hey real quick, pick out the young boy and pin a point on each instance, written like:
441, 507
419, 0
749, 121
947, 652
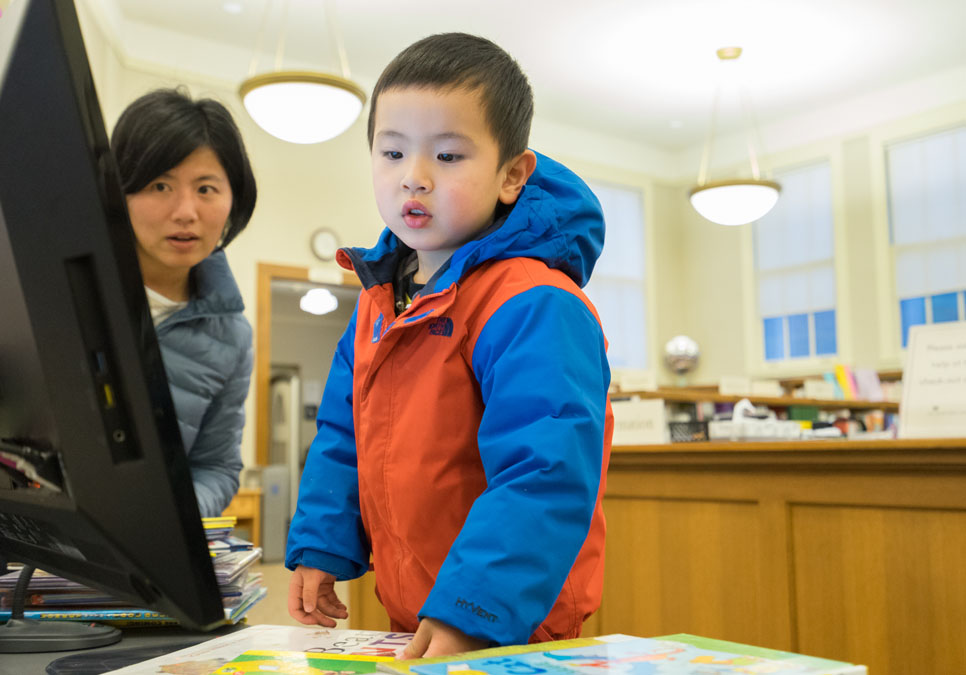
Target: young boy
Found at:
464, 433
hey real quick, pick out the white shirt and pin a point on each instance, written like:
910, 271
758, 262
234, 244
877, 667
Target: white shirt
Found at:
162, 307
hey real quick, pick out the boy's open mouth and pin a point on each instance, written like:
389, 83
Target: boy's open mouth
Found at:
415, 214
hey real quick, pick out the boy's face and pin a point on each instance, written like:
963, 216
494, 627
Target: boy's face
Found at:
435, 169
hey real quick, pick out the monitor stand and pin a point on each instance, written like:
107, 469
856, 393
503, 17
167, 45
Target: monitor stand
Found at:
20, 635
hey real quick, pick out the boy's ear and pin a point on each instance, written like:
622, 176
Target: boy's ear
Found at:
517, 170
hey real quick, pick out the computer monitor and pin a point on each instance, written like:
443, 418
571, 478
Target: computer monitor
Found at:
94, 482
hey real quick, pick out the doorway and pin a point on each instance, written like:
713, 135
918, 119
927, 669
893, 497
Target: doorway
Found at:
292, 356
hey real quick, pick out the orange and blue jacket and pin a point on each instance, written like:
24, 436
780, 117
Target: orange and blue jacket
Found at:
463, 444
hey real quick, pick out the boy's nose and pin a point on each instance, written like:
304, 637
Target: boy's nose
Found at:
416, 178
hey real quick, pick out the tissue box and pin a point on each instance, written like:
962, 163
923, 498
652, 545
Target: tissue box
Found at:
751, 429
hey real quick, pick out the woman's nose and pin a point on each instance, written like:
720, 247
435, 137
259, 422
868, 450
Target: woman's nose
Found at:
185, 206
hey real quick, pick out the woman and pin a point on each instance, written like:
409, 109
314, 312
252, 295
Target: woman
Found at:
190, 191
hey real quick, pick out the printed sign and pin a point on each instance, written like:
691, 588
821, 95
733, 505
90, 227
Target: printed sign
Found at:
934, 382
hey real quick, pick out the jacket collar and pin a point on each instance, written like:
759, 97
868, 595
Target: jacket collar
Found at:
213, 290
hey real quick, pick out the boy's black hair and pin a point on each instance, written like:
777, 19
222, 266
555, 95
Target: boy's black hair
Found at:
160, 129
462, 61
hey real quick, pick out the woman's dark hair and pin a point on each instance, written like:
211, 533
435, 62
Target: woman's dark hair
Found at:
159, 130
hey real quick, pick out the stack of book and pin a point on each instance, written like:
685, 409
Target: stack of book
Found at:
53, 598
234, 559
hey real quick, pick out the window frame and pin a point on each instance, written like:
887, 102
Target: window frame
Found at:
893, 342
757, 366
642, 189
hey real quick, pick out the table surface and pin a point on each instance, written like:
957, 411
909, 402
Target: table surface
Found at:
158, 636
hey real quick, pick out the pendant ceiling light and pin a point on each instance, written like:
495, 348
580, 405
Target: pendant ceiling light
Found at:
733, 201
301, 106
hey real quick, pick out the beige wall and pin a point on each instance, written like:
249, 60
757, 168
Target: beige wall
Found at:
701, 278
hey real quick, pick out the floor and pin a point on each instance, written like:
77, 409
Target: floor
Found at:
273, 608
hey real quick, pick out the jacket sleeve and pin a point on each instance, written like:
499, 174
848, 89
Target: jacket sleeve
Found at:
215, 458
543, 374
326, 531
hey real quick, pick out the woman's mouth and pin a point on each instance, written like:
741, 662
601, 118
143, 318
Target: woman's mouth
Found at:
183, 241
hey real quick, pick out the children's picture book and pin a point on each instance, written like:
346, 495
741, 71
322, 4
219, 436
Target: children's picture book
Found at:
208, 656
625, 655
300, 663
406, 667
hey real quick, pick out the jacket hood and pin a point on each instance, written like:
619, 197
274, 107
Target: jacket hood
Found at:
556, 219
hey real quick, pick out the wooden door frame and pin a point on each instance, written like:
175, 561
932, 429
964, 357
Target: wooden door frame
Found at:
268, 272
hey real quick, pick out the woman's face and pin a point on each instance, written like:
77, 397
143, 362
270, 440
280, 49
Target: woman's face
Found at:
179, 217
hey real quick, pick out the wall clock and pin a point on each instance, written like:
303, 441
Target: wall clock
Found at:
324, 244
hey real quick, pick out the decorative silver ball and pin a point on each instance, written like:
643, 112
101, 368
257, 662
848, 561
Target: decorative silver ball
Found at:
681, 354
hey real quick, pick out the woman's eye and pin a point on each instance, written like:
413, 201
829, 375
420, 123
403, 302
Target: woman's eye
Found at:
158, 187
206, 190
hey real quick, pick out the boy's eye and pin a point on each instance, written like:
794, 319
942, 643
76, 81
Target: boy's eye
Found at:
446, 157
393, 154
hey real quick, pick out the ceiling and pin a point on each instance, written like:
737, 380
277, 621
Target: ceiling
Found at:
638, 69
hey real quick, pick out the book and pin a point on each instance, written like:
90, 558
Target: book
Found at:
217, 527
405, 667
53, 598
679, 654
299, 663
846, 380
130, 616
216, 652
831, 379
868, 386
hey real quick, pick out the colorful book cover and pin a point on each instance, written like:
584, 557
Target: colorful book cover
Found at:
406, 667
299, 663
212, 654
625, 655
818, 665
130, 616
843, 375
830, 377
218, 522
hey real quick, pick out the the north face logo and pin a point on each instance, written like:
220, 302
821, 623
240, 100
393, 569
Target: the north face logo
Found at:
441, 326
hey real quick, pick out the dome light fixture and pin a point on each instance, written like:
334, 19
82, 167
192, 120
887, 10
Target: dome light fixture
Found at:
318, 301
733, 201
302, 106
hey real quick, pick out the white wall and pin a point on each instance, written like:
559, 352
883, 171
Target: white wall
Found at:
700, 276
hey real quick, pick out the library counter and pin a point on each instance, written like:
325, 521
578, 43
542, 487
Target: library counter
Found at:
851, 550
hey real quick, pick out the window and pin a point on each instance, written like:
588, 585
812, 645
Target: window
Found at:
795, 265
617, 287
927, 218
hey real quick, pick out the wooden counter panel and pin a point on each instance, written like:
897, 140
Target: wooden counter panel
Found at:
676, 565
883, 586
861, 551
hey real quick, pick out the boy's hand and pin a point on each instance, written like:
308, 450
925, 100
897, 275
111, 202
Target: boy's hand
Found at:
312, 598
435, 638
